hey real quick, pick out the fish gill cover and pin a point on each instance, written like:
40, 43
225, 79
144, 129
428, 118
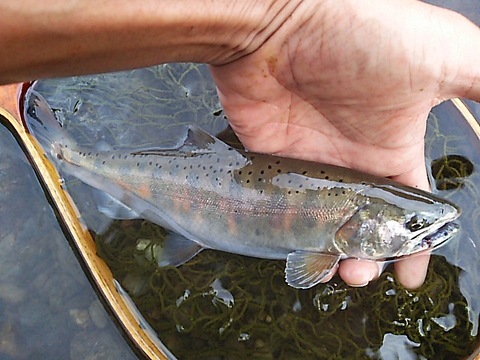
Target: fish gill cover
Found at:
222, 306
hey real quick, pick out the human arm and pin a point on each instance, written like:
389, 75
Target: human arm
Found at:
337, 81
69, 37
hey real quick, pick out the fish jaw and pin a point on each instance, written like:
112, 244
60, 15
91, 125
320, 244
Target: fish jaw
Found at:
381, 230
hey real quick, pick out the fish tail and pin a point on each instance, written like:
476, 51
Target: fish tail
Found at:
43, 124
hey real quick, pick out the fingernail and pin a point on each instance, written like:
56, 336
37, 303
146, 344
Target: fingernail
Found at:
359, 285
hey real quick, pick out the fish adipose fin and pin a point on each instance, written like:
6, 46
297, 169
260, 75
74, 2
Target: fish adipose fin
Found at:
306, 269
176, 250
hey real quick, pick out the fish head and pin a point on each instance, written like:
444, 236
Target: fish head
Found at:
381, 230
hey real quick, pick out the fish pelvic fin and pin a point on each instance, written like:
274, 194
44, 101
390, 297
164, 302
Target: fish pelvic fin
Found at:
306, 269
176, 250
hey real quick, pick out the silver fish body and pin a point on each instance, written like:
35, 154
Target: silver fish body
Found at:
214, 196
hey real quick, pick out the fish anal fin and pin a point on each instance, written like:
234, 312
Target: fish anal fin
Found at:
113, 208
306, 269
176, 250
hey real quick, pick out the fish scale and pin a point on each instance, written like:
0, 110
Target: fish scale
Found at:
210, 195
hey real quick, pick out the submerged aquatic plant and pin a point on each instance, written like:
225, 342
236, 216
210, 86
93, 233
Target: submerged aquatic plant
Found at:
251, 312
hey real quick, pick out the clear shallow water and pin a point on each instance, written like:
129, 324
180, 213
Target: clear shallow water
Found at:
48, 308
224, 306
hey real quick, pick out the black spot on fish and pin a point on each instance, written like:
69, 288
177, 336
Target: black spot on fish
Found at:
343, 192
279, 171
239, 172
230, 164
103, 162
221, 170
277, 162
340, 180
125, 156
289, 192
326, 177
248, 181
176, 166
89, 153
150, 163
300, 186
249, 173
138, 164
262, 172
270, 167
184, 168
322, 172
304, 173
257, 232
260, 179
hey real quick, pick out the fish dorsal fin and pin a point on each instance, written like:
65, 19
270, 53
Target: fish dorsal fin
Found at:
196, 141
306, 269
176, 250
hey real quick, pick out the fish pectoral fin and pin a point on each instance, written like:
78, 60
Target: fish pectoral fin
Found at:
306, 269
113, 208
176, 250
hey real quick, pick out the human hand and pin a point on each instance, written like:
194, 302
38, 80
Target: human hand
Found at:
351, 83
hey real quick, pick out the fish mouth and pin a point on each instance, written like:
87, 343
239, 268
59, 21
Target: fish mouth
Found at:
435, 235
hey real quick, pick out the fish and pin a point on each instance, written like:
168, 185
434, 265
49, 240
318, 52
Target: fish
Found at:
209, 195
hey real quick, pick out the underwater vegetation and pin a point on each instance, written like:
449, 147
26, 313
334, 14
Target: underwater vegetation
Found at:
251, 312
222, 306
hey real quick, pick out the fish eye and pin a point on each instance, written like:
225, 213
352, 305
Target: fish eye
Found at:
416, 223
